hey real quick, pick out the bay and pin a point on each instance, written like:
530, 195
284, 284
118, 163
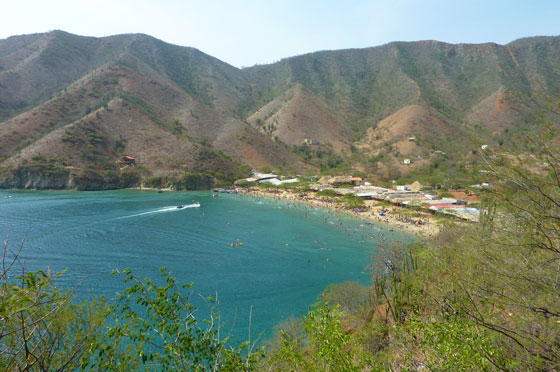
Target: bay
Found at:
290, 252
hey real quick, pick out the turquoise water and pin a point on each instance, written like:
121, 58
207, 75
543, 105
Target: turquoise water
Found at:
289, 254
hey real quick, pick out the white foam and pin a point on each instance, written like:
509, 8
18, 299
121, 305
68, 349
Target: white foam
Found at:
161, 210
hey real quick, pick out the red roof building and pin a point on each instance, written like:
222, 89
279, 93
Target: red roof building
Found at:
444, 206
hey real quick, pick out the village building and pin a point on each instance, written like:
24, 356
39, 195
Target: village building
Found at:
356, 180
416, 186
311, 141
404, 195
272, 181
263, 176
128, 160
277, 182
318, 187
336, 181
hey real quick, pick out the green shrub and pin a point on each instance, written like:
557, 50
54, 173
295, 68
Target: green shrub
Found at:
326, 193
327, 346
195, 181
351, 201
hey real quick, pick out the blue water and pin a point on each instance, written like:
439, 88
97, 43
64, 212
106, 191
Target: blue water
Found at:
289, 254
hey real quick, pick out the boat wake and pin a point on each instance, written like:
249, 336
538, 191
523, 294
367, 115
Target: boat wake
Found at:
162, 210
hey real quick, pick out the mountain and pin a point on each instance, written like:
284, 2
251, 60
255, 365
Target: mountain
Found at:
73, 106
84, 102
296, 115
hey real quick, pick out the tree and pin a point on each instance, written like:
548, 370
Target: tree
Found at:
148, 327
351, 201
41, 328
503, 275
156, 327
327, 346
522, 248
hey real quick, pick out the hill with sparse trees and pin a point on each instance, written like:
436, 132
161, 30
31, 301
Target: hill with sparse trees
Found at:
71, 107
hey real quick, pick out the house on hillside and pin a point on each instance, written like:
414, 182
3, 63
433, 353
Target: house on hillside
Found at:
128, 160
263, 176
273, 181
416, 186
324, 180
340, 180
356, 180
311, 141
406, 161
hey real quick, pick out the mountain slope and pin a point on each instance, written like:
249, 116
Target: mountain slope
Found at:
40, 65
87, 101
370, 84
127, 107
297, 115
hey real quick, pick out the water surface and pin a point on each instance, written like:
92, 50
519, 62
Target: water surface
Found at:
289, 254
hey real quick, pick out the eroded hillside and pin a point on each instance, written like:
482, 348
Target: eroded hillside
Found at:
83, 103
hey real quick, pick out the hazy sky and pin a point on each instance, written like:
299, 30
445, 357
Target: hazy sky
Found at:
248, 32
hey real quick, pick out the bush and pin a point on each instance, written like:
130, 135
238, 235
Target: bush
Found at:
149, 327
129, 178
195, 181
351, 201
351, 296
146, 315
245, 183
327, 346
265, 170
42, 329
327, 193
158, 181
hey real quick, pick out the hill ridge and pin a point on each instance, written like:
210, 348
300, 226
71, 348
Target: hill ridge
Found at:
336, 97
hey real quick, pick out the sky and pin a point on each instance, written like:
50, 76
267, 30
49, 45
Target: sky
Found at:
248, 32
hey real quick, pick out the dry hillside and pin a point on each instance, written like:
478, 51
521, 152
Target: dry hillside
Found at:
296, 115
84, 102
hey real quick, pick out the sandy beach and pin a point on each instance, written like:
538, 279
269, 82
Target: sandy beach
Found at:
395, 219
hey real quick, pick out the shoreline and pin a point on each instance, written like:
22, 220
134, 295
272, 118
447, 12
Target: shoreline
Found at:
392, 220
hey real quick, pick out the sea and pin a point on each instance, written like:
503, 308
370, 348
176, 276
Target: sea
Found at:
265, 260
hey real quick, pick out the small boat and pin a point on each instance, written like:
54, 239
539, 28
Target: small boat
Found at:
8, 196
214, 195
236, 244
180, 206
159, 191
196, 205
